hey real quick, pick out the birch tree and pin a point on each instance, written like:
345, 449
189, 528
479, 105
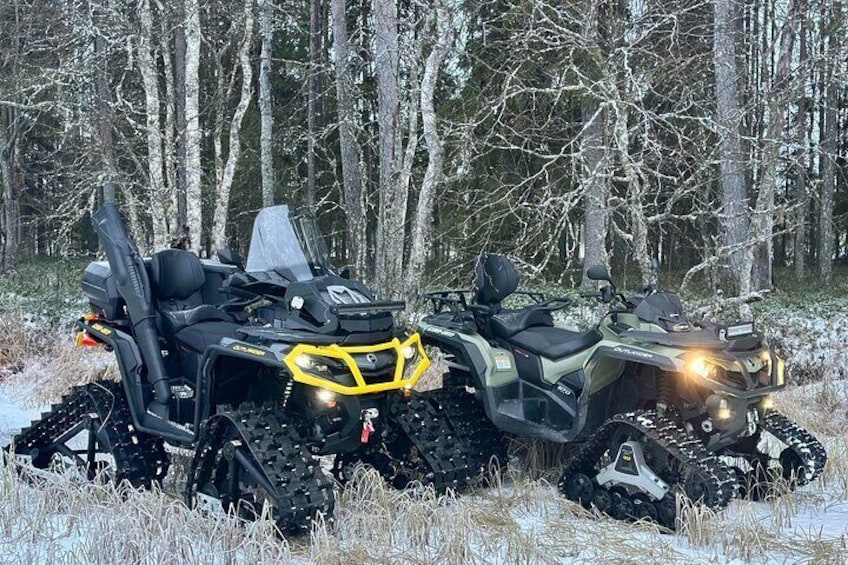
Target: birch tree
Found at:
734, 211
351, 162
434, 174
225, 176
192, 134
391, 220
830, 144
266, 109
155, 161
763, 220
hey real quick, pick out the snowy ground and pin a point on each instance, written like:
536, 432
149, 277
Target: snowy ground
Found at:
522, 521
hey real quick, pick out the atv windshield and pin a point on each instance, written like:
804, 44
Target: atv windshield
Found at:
663, 309
288, 244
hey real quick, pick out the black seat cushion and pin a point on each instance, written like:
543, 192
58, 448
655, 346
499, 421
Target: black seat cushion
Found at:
198, 337
554, 343
507, 323
176, 320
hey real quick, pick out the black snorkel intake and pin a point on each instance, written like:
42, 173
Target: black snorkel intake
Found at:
133, 284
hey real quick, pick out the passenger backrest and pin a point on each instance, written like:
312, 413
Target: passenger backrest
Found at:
495, 279
177, 278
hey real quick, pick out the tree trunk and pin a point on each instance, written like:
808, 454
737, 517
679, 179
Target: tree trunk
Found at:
193, 171
104, 120
830, 146
391, 220
11, 191
763, 223
732, 172
311, 108
434, 175
800, 243
354, 197
170, 149
266, 107
595, 187
222, 202
180, 59
150, 83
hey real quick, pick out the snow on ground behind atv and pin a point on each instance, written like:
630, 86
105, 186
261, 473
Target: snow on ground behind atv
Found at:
523, 520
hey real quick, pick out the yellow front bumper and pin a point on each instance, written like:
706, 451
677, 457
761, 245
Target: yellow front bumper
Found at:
345, 354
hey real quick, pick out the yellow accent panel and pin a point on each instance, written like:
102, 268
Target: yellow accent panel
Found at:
346, 353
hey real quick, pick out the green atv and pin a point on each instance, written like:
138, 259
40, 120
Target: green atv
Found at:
656, 406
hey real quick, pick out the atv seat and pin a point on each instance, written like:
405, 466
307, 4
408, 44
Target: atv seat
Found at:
554, 343
530, 328
177, 278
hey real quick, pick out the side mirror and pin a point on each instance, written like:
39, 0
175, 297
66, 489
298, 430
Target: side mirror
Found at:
598, 273
346, 273
230, 257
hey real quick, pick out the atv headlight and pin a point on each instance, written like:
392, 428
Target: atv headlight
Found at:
310, 364
705, 369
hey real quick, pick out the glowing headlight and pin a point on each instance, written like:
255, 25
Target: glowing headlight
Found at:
307, 363
704, 368
768, 403
409, 352
325, 396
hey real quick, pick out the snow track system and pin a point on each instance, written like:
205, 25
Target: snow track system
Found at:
419, 446
485, 445
804, 458
678, 460
253, 456
678, 464
91, 429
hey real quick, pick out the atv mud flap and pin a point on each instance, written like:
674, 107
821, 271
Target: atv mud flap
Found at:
253, 456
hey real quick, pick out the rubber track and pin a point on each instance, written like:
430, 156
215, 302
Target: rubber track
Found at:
719, 480
302, 489
445, 462
484, 443
799, 440
140, 459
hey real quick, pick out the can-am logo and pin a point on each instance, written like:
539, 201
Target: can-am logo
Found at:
634, 353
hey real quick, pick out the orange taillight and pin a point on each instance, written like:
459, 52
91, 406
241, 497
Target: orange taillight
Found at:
84, 339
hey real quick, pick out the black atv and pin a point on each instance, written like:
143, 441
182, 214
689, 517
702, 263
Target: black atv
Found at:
656, 405
253, 370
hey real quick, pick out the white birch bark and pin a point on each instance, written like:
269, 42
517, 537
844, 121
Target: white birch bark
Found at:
266, 109
354, 197
830, 145
150, 83
192, 136
732, 173
763, 223
434, 175
391, 220
169, 140
222, 192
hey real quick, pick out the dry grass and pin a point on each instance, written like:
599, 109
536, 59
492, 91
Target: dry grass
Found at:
519, 519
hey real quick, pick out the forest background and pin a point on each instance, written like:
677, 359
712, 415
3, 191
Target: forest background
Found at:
709, 135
